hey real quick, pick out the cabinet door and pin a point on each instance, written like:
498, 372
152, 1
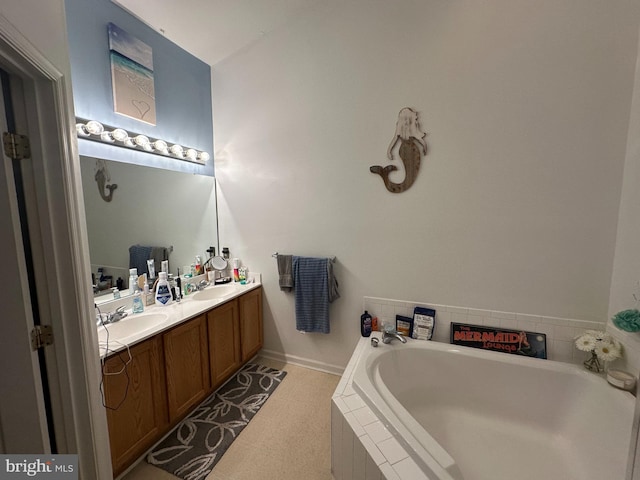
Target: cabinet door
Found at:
251, 323
187, 366
135, 401
224, 341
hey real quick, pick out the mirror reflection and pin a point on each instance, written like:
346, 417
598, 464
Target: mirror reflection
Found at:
132, 209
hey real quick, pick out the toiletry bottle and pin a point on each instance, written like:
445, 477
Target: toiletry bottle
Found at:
152, 269
133, 280
236, 273
365, 324
178, 287
138, 304
163, 293
146, 294
172, 286
198, 265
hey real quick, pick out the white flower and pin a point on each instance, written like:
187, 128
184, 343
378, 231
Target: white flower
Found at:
586, 342
607, 351
599, 335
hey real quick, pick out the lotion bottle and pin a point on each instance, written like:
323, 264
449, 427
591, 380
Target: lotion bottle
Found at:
163, 292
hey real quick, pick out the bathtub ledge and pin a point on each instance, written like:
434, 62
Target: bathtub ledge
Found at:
360, 448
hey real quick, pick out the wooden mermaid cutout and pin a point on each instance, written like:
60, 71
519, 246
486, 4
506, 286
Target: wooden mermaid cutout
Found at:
411, 136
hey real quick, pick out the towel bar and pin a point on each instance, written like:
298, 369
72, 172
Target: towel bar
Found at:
333, 258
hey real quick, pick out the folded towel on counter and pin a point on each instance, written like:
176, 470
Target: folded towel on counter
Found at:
285, 268
311, 279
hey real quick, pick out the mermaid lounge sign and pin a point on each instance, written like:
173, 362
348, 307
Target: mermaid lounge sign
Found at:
411, 138
519, 342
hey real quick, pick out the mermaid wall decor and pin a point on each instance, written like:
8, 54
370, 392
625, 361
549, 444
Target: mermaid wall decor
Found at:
105, 187
412, 141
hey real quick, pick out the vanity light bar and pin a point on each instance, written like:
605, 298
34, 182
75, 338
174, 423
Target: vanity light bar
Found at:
93, 130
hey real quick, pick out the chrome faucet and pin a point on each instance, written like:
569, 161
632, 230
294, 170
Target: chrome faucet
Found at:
112, 317
202, 284
389, 335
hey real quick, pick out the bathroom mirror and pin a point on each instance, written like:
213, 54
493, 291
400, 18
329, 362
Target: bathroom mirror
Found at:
149, 207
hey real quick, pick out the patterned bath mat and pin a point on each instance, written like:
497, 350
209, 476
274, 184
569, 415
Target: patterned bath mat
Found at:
198, 442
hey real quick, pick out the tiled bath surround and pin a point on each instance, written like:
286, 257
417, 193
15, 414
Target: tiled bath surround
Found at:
363, 448
560, 332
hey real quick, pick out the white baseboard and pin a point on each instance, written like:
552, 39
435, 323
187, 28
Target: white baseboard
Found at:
302, 362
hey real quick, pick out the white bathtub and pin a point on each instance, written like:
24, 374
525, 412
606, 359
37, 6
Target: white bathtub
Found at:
463, 413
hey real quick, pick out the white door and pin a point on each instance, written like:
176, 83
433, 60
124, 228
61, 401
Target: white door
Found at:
23, 422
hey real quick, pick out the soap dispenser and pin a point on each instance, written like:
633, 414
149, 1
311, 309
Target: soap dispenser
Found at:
163, 292
138, 304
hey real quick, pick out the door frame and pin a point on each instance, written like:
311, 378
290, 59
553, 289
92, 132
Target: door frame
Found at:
61, 253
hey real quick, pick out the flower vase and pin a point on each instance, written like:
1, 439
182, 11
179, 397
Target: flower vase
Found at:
593, 364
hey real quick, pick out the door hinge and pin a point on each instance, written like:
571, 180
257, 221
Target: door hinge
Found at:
41, 336
16, 146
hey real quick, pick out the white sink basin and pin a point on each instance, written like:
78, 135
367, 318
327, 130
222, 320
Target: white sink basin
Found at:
131, 325
218, 291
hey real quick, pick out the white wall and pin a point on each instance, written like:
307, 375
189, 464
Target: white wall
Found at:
48, 34
515, 207
625, 280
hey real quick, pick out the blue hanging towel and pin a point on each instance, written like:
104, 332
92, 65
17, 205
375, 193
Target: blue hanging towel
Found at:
311, 279
138, 256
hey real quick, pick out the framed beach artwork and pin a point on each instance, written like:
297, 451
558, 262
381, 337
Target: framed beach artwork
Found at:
131, 76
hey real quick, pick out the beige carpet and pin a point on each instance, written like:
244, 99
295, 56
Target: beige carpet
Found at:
289, 438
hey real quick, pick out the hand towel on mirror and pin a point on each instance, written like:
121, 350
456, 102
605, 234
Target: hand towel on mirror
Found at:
138, 256
310, 275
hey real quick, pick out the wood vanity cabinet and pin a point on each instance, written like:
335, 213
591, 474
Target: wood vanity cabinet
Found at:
250, 323
186, 359
224, 342
136, 402
174, 371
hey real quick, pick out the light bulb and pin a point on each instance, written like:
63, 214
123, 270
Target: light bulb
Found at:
94, 128
129, 142
119, 134
147, 147
141, 141
106, 137
81, 129
177, 150
191, 154
204, 156
161, 146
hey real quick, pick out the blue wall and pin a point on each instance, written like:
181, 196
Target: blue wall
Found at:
182, 87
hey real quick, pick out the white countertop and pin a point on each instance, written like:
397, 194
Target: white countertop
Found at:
136, 327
